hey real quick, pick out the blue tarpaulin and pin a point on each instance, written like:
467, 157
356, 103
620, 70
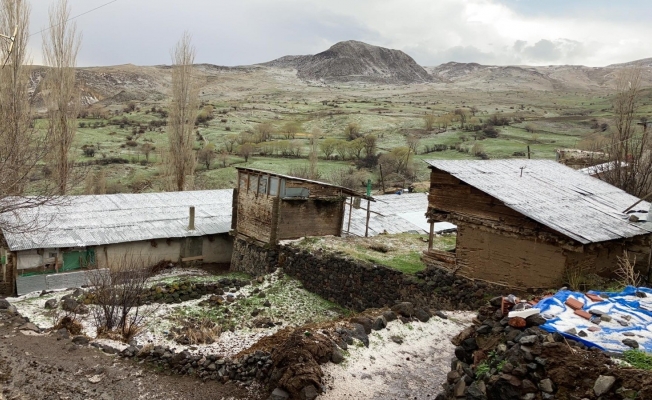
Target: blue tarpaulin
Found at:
631, 318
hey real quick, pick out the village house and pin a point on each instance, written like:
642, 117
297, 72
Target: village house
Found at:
527, 223
100, 230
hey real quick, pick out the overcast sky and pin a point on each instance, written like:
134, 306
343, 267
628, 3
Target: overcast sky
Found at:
242, 32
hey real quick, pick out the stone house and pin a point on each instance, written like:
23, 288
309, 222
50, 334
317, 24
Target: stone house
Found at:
527, 223
99, 230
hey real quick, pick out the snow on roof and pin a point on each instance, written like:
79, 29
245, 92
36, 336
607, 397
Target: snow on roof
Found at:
93, 220
393, 213
574, 204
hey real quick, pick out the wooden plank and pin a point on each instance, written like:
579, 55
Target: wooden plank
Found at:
196, 258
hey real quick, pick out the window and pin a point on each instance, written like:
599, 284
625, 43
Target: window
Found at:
253, 183
273, 186
262, 185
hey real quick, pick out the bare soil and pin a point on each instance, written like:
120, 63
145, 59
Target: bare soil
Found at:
45, 366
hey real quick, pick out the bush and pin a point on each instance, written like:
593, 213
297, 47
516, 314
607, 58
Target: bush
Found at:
131, 143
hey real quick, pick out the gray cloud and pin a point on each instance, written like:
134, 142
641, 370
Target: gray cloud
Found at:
252, 31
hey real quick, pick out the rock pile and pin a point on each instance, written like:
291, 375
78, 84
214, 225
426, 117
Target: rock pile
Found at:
503, 358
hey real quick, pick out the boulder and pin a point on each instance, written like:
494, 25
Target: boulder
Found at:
69, 304
389, 315
405, 309
337, 357
603, 384
4, 304
365, 322
379, 324
29, 327
51, 304
279, 394
81, 340
422, 315
308, 393
360, 334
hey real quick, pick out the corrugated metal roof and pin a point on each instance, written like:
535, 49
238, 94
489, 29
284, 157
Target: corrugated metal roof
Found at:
572, 203
393, 213
344, 189
119, 218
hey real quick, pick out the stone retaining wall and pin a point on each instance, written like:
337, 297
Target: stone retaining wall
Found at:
252, 259
359, 285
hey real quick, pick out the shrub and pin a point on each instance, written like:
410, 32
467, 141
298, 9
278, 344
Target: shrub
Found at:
131, 143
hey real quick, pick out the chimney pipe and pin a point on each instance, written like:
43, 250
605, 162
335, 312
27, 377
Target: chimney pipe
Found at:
191, 223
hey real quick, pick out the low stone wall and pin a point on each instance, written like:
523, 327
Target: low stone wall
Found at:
253, 259
359, 285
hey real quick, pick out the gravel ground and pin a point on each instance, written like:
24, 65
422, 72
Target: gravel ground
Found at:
414, 369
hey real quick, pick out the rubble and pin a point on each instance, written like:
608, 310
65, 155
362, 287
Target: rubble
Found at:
497, 358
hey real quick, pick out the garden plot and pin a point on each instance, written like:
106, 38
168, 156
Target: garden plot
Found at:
240, 316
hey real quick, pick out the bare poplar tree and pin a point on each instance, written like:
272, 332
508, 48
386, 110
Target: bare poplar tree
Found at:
183, 113
316, 132
60, 47
22, 147
629, 165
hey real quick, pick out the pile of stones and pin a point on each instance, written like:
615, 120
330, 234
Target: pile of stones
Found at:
503, 358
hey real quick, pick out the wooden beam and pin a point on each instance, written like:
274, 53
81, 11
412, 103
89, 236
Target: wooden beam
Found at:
192, 258
348, 228
366, 229
432, 234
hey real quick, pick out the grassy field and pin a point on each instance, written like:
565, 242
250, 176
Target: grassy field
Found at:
543, 120
400, 251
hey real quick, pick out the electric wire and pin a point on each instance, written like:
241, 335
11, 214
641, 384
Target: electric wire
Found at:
71, 18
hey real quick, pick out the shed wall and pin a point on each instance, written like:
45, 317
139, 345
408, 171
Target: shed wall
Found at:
254, 217
508, 261
299, 218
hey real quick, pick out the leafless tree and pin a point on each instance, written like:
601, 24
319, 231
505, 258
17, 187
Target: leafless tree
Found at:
314, 174
22, 148
352, 131
246, 150
147, 149
60, 47
429, 121
117, 295
629, 165
183, 113
264, 132
291, 129
207, 155
413, 143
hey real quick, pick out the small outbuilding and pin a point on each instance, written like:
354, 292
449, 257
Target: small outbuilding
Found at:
270, 207
529, 223
79, 232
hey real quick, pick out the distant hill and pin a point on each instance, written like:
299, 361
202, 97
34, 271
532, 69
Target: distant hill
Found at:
354, 61
351, 62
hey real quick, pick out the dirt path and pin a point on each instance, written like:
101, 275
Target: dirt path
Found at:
46, 367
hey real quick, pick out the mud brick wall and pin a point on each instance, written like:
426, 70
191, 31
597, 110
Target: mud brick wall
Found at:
359, 285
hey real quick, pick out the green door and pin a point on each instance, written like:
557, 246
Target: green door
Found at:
78, 259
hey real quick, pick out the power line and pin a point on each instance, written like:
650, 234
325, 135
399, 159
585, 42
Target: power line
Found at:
70, 19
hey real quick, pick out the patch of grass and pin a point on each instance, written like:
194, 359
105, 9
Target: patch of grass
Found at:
638, 359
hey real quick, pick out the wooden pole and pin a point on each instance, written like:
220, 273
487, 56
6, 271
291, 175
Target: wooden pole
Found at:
382, 178
432, 234
348, 228
528, 152
366, 230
